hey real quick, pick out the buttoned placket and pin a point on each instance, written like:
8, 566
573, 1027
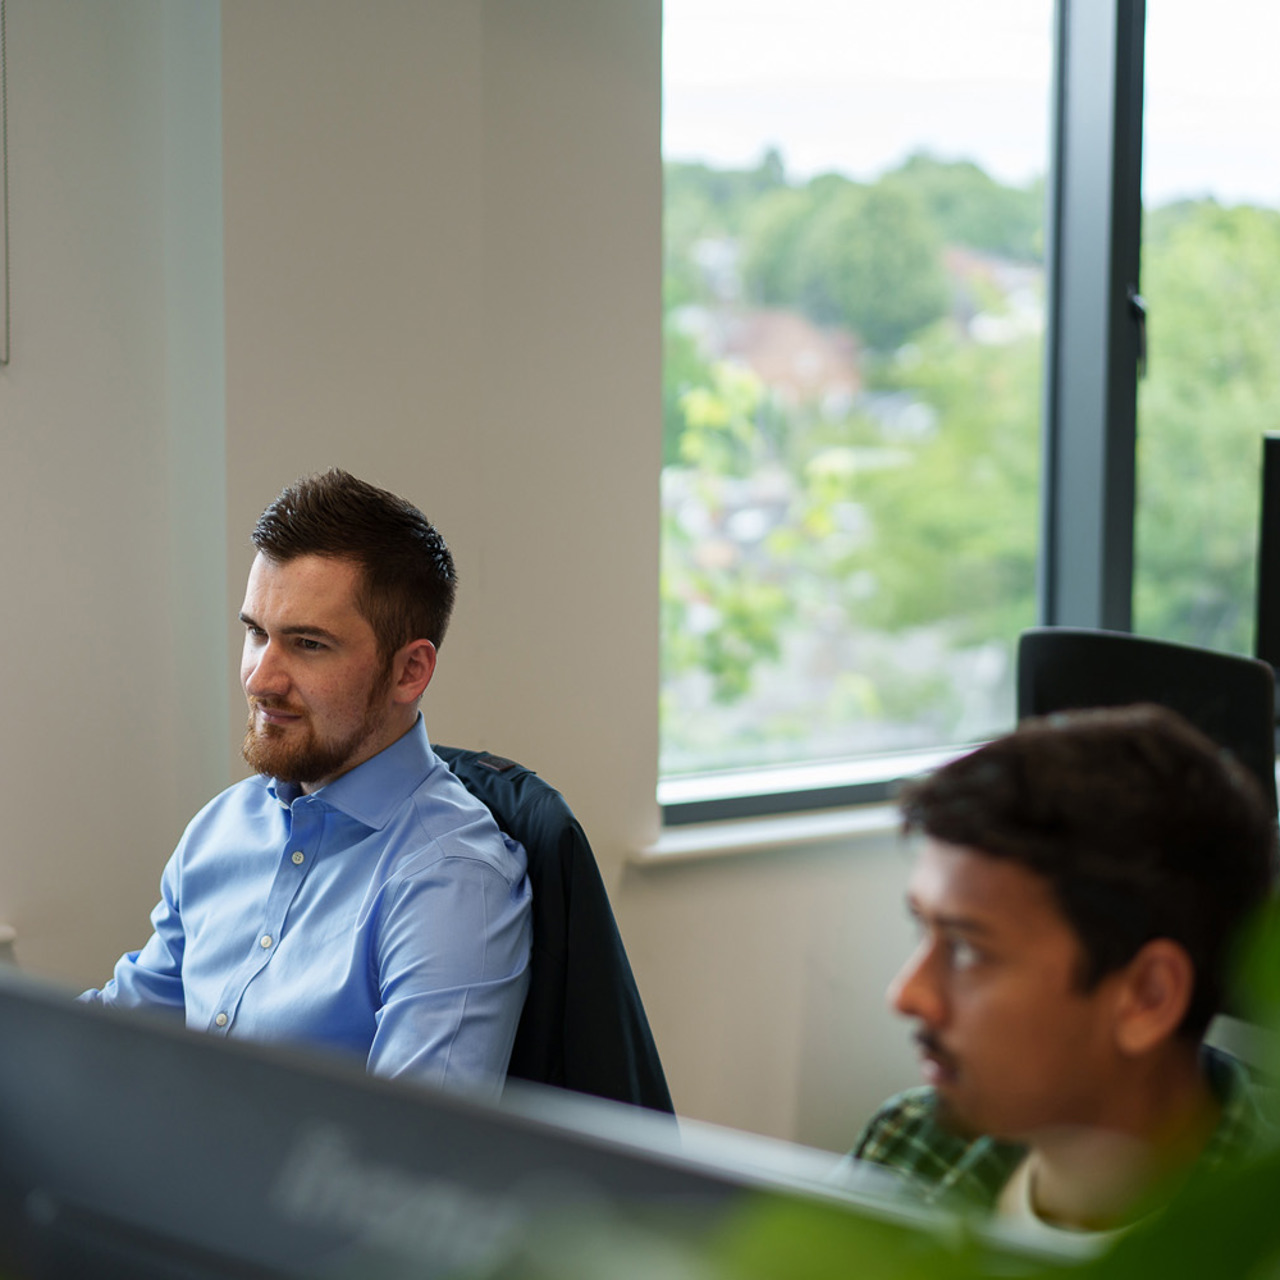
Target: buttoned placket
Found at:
304, 825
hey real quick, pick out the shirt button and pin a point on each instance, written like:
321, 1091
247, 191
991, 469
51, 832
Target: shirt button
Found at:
265, 941
298, 858
220, 1020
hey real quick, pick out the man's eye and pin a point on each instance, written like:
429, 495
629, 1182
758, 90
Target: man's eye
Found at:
962, 955
310, 645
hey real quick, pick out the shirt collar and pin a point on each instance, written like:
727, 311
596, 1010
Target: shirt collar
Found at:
1242, 1124
373, 791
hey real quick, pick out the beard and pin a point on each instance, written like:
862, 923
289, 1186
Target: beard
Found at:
298, 754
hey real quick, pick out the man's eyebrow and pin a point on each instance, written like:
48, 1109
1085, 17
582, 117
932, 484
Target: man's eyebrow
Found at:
952, 923
297, 629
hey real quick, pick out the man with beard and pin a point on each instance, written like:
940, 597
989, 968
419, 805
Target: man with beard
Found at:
1077, 890
352, 896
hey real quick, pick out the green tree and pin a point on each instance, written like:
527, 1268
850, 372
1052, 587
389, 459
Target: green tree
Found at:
969, 207
954, 523
772, 233
722, 612
1211, 276
683, 370
863, 258
880, 542
873, 252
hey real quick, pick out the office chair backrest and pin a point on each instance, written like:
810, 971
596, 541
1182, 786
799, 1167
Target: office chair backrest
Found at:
1229, 698
583, 1026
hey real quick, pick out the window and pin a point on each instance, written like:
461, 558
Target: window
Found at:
1211, 280
857, 526
854, 326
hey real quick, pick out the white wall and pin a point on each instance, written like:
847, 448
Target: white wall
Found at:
764, 976
442, 275
109, 414
441, 254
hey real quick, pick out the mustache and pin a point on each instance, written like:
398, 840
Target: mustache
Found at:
932, 1047
274, 704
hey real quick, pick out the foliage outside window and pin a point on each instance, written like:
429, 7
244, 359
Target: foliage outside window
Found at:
852, 387
1211, 277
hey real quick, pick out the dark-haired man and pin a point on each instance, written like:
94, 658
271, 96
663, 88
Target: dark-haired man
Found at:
352, 896
1077, 890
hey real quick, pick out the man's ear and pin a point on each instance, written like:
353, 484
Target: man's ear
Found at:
412, 670
1157, 986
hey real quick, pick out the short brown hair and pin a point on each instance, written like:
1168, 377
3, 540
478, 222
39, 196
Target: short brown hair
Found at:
409, 580
1142, 826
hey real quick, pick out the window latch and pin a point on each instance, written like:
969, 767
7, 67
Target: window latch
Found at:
1138, 310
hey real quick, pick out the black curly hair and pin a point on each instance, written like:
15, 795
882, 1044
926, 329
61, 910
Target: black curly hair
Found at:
1141, 825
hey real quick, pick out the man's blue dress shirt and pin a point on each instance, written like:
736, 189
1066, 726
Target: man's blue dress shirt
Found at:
384, 915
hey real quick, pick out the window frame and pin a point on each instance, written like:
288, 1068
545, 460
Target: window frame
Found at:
1093, 250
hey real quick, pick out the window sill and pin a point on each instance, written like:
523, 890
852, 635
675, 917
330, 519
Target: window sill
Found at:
771, 834
781, 791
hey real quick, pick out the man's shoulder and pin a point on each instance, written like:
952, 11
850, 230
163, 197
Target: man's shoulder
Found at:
906, 1135
412, 806
440, 819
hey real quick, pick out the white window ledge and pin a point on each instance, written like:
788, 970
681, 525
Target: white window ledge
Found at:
796, 779
799, 828
770, 834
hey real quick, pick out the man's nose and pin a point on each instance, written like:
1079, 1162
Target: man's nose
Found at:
262, 672
915, 991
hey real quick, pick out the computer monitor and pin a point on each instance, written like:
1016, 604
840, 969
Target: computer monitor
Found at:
131, 1147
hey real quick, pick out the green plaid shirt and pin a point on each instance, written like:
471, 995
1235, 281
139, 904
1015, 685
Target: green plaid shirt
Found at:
945, 1168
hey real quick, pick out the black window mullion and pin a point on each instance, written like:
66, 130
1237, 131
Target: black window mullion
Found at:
1093, 227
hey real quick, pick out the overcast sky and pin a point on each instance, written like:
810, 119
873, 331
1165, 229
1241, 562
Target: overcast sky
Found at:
855, 85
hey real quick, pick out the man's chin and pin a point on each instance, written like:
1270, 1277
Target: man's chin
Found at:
267, 752
952, 1115
273, 754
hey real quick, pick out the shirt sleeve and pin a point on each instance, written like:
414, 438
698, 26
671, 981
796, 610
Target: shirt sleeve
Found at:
452, 970
151, 978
